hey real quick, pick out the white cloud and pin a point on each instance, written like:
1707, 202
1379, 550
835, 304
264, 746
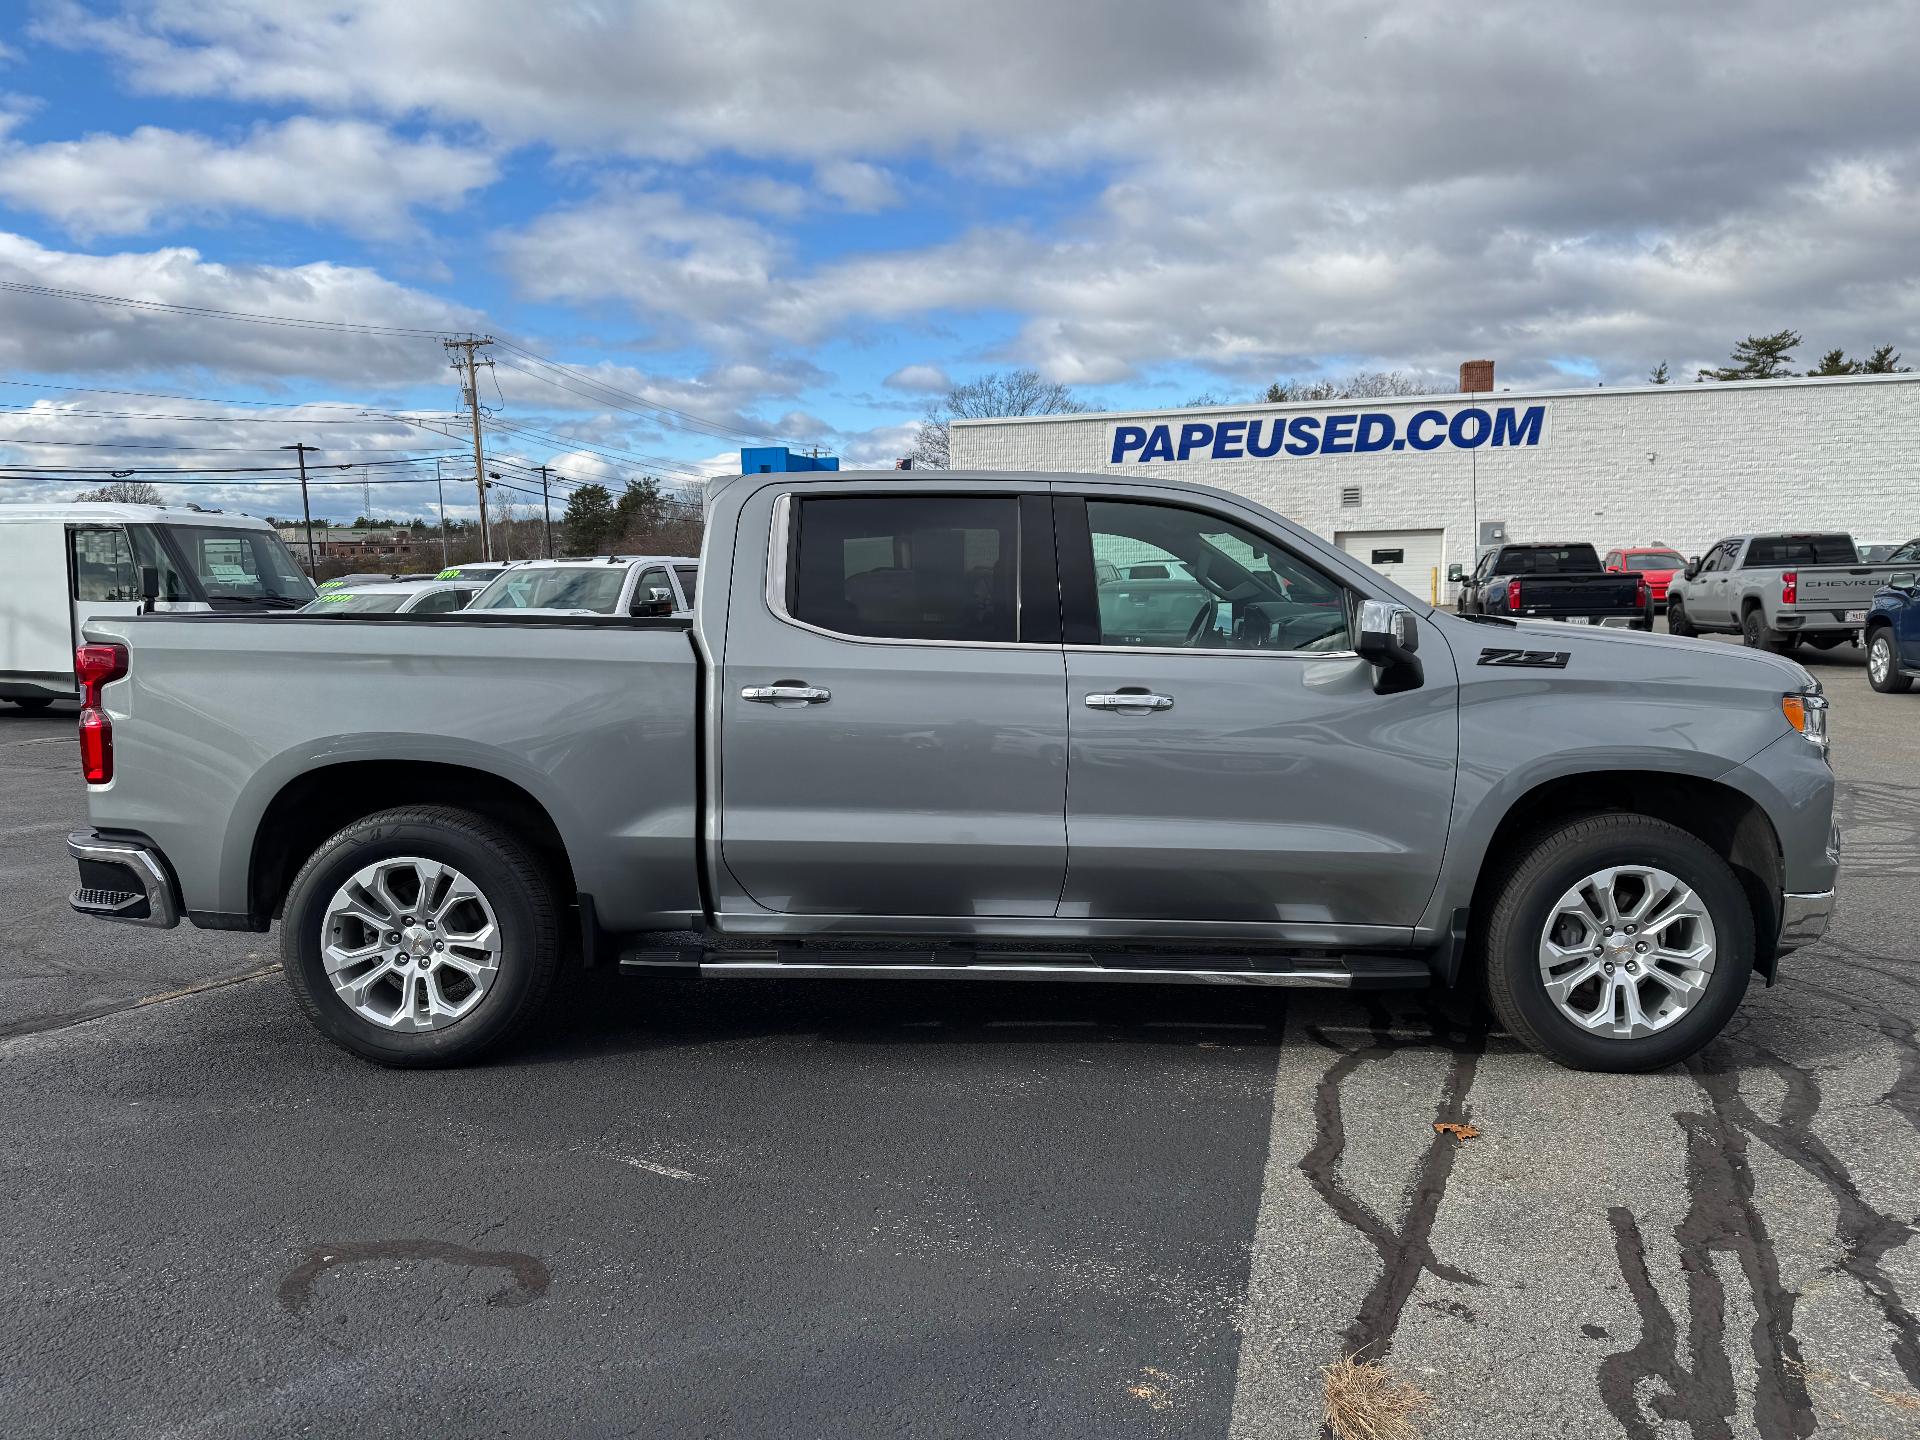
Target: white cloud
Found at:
858, 186
336, 172
920, 379
47, 335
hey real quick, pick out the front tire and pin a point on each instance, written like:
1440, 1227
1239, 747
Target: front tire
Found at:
1616, 943
421, 936
1883, 666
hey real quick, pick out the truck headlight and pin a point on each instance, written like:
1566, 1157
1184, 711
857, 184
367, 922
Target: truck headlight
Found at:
1807, 713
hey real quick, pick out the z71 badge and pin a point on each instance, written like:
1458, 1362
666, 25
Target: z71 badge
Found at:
1527, 659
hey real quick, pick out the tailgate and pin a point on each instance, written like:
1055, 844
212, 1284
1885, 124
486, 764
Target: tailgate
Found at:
1833, 587
1604, 594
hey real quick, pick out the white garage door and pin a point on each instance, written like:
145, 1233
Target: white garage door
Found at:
1409, 558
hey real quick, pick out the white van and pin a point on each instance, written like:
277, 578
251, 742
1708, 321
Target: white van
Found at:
63, 563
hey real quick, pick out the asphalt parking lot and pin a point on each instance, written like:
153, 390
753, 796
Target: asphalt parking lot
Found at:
789, 1210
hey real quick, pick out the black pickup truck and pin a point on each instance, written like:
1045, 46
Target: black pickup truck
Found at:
1554, 581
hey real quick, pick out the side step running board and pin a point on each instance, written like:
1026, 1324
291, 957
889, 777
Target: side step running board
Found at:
1334, 973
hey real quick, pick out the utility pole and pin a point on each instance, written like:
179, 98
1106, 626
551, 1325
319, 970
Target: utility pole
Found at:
546, 508
306, 511
506, 530
469, 370
440, 490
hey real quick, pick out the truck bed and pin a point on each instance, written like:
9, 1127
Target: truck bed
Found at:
595, 718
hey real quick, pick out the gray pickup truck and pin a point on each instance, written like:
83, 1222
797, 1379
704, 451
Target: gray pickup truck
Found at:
916, 730
1777, 591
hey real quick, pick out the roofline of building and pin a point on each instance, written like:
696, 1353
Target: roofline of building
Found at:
1707, 387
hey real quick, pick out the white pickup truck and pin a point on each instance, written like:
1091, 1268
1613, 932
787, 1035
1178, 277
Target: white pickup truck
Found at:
1776, 591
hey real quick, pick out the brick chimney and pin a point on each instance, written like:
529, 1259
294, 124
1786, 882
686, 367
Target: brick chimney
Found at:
1476, 376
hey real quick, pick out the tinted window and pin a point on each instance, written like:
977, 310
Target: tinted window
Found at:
1549, 560
1907, 554
103, 567
1225, 587
1388, 557
689, 576
1654, 560
1779, 551
908, 568
438, 602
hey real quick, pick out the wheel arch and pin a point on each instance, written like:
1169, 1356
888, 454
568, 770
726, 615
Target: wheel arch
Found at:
316, 803
1720, 815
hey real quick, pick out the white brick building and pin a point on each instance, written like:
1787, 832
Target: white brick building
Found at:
1678, 465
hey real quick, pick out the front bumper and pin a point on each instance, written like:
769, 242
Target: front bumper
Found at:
1804, 918
123, 879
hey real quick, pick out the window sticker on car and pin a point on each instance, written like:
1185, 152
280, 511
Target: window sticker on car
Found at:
1527, 659
452, 572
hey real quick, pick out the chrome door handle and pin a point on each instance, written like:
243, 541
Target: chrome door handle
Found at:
786, 694
1139, 700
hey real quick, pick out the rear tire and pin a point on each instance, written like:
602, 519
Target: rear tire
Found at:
1883, 668
34, 702
1757, 636
1527, 899
513, 906
1677, 622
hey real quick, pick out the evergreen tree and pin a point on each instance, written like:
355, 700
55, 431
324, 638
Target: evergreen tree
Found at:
1659, 375
637, 513
1835, 362
1884, 361
1758, 357
588, 520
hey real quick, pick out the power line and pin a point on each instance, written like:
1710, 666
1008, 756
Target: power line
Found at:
6, 440
301, 322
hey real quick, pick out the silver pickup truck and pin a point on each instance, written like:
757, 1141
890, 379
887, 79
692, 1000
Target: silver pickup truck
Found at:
1777, 591
923, 730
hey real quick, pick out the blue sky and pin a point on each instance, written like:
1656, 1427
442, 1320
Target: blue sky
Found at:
798, 220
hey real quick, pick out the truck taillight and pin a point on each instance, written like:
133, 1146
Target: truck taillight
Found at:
1642, 595
1789, 587
95, 666
96, 745
1513, 595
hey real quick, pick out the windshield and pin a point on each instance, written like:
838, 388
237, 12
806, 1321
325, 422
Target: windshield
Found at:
580, 587
1654, 560
1779, 551
352, 602
239, 566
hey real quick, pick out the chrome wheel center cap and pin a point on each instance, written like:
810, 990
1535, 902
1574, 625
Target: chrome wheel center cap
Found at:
416, 940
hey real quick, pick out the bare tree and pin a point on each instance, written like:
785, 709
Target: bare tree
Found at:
1361, 385
1002, 392
123, 492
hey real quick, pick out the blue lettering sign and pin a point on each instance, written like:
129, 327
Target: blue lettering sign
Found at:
1376, 432
1349, 432
1421, 438
1194, 436
1524, 429
1272, 445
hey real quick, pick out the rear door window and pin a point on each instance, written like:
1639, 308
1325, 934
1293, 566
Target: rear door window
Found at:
689, 577
103, 566
934, 567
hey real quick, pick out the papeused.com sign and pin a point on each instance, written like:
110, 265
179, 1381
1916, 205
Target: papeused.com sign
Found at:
1336, 432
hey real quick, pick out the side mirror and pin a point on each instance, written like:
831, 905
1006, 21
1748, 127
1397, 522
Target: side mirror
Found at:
149, 587
1389, 640
1905, 580
1693, 567
1456, 572
646, 609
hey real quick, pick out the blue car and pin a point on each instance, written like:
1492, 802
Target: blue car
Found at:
1893, 627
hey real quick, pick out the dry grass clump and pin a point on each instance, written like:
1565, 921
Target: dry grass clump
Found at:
1365, 1401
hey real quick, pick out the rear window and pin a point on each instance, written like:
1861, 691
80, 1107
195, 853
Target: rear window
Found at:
1771, 552
1550, 560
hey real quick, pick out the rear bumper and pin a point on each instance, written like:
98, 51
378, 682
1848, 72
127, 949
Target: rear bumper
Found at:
1804, 918
123, 879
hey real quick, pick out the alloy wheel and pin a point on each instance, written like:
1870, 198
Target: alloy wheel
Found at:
1627, 951
410, 944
